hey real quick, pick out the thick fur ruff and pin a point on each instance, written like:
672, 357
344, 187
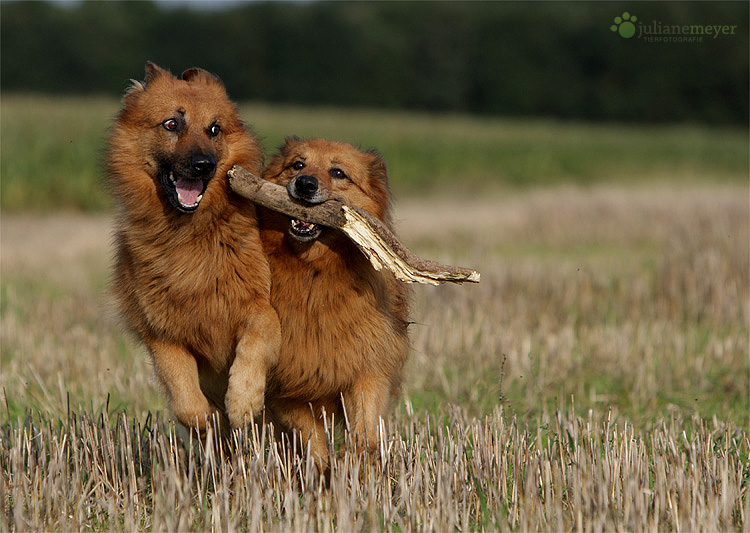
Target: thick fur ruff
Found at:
344, 324
190, 275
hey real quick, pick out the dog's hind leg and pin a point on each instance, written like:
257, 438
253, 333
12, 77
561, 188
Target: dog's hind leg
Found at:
177, 371
366, 402
257, 350
309, 423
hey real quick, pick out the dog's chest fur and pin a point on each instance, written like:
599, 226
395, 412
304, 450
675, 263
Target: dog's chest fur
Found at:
189, 287
337, 324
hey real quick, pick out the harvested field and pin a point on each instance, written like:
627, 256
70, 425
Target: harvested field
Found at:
596, 379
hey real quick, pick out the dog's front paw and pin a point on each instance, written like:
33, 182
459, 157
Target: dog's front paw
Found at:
197, 415
243, 402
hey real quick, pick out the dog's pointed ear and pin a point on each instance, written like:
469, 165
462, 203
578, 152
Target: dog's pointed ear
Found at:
154, 71
380, 191
289, 141
198, 74
277, 163
377, 166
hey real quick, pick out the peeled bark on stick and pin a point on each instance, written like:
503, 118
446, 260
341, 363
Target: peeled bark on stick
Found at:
375, 240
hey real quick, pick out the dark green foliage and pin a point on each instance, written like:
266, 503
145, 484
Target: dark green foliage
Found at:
543, 58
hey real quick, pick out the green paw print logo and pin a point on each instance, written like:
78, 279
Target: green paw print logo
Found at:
624, 25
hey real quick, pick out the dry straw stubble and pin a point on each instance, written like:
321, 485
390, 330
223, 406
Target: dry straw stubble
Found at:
633, 301
432, 473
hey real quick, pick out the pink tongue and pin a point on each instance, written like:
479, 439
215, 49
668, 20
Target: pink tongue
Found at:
189, 190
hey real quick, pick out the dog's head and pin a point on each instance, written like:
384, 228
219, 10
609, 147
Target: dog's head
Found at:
315, 170
182, 129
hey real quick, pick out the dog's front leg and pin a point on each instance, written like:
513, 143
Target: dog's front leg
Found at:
257, 350
177, 370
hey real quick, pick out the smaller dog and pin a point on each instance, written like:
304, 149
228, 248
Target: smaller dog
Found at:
343, 324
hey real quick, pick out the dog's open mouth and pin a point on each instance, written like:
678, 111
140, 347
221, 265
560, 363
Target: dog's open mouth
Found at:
185, 193
304, 231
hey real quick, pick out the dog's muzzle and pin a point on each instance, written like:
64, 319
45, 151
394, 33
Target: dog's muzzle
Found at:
185, 184
305, 189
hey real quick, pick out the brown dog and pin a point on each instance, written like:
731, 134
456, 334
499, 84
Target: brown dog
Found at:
190, 275
344, 325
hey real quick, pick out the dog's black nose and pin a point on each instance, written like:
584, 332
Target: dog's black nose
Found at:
306, 186
203, 164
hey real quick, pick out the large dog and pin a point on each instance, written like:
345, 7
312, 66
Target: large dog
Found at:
190, 275
344, 325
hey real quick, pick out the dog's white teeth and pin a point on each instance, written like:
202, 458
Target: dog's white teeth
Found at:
182, 200
171, 178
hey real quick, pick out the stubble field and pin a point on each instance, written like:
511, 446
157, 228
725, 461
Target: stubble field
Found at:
596, 379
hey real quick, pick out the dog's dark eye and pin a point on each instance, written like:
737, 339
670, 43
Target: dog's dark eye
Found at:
298, 165
337, 173
214, 130
170, 124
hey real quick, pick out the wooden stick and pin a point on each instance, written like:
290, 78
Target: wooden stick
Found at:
375, 240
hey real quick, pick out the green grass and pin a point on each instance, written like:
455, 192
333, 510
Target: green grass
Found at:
52, 148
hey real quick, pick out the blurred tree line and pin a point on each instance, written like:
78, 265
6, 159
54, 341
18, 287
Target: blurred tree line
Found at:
512, 58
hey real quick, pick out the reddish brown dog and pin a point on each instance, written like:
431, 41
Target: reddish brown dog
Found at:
190, 275
344, 324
